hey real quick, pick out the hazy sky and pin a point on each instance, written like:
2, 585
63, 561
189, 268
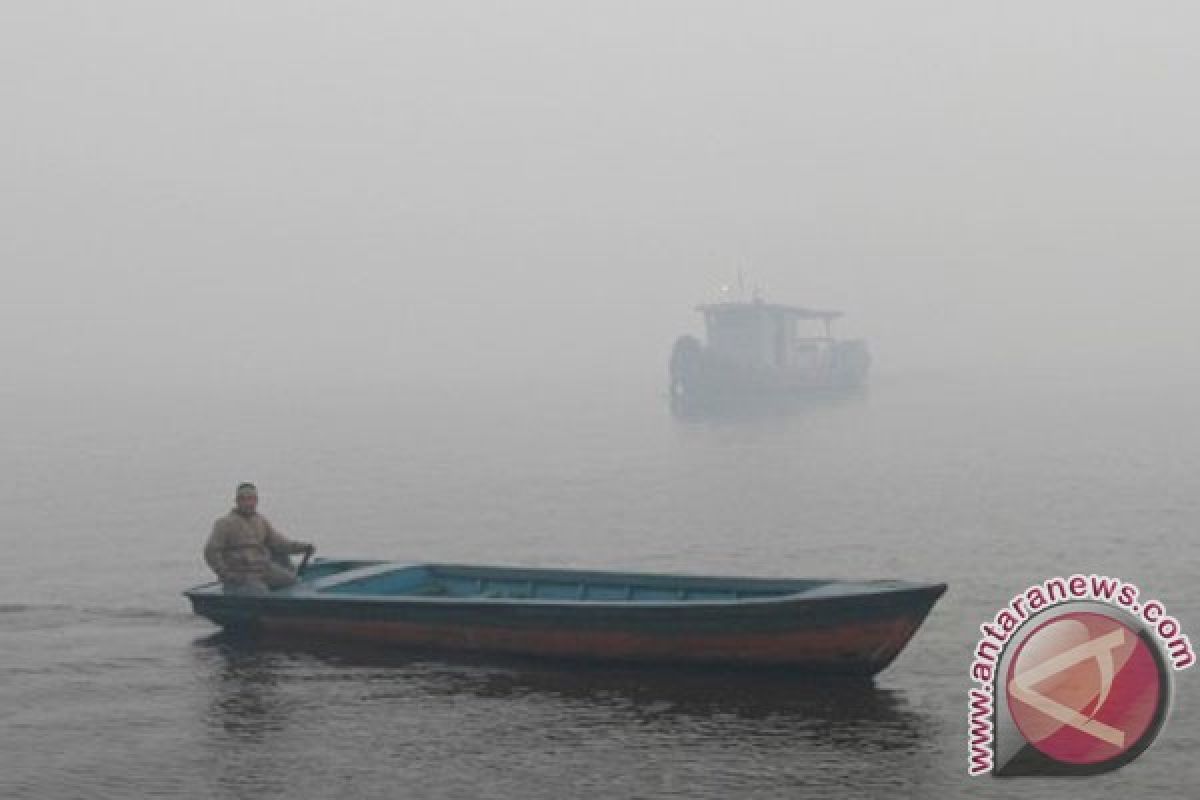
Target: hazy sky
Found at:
211, 191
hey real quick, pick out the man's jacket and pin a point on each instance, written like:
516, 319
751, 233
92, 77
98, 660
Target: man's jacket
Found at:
240, 546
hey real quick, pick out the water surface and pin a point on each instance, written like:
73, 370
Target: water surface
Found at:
109, 687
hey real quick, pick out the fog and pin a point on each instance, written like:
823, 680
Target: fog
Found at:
236, 195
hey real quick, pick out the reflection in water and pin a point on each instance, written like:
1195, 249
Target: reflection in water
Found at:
249, 708
749, 407
247, 702
840, 713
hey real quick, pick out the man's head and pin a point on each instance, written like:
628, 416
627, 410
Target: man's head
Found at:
247, 498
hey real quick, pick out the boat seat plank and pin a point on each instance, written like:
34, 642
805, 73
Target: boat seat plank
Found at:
351, 575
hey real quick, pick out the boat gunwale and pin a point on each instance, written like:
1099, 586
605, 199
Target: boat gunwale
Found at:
306, 595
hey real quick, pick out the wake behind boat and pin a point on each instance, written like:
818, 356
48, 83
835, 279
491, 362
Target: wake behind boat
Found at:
845, 627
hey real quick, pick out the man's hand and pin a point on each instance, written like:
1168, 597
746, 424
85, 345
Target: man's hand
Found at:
308, 550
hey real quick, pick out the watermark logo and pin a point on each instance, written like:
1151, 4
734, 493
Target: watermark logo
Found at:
1074, 678
1086, 689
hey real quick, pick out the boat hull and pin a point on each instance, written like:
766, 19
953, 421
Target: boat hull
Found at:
698, 374
859, 631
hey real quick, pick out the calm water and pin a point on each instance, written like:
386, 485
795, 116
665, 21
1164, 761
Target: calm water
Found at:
110, 688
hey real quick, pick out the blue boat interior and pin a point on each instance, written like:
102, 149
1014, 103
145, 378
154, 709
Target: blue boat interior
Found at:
453, 581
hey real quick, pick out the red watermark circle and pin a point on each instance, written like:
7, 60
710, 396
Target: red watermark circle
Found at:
1084, 688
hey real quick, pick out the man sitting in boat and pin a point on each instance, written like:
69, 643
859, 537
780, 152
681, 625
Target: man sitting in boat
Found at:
246, 551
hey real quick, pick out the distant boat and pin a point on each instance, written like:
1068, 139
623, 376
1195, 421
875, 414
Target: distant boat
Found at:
814, 625
753, 349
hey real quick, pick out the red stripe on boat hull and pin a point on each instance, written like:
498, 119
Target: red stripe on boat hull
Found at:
860, 647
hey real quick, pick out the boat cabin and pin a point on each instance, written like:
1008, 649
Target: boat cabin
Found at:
766, 334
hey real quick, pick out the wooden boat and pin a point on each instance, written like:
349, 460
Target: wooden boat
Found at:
830, 626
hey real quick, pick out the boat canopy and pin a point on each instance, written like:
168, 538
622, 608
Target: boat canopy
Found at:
759, 307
